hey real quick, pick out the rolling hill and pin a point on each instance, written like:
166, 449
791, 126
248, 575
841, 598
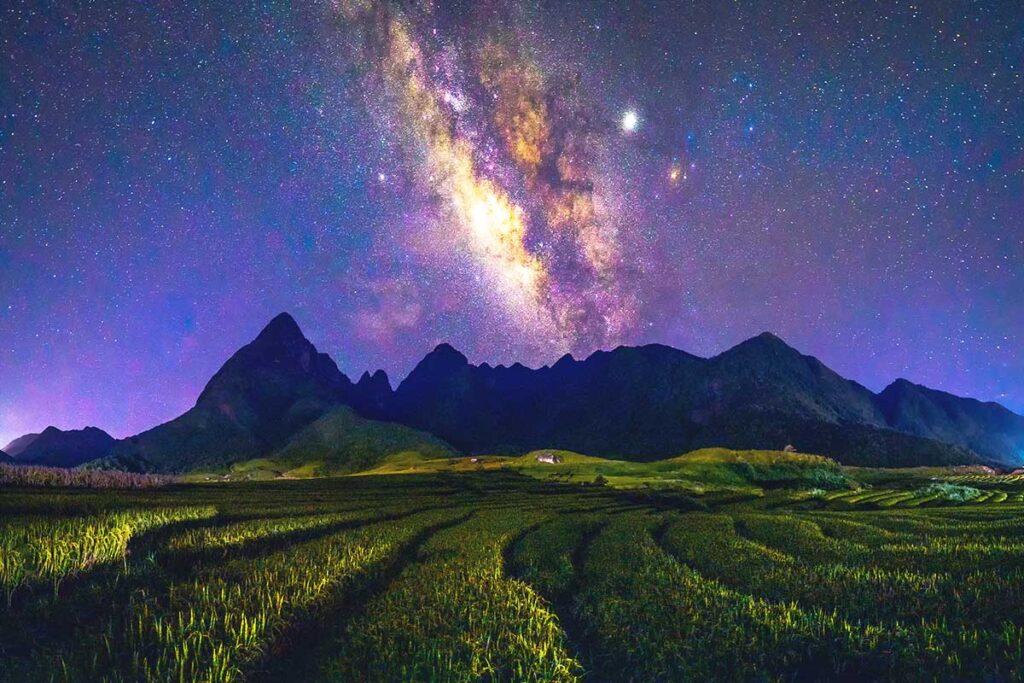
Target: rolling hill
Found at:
341, 441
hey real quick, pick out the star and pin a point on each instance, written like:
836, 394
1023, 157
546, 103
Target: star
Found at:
630, 121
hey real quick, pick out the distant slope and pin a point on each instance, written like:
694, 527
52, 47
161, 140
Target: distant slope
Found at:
15, 447
851, 444
697, 471
342, 441
5, 458
264, 393
986, 428
57, 448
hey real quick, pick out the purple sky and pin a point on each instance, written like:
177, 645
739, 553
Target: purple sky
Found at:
174, 174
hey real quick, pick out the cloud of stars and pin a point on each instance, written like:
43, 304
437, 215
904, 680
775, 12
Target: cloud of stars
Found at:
518, 178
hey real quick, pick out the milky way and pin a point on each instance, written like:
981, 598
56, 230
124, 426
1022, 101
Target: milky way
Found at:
506, 152
519, 178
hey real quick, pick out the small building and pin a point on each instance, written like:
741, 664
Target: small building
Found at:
549, 458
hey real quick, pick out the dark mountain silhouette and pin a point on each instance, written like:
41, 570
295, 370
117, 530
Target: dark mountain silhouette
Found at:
57, 448
279, 395
651, 402
15, 447
268, 390
372, 394
988, 429
5, 458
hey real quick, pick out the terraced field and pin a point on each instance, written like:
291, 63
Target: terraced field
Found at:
496, 576
935, 494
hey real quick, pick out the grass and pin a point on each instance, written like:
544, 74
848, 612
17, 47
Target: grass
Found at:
59, 477
453, 616
49, 550
712, 470
497, 571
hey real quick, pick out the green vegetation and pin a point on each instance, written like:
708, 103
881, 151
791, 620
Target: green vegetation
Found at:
339, 442
453, 615
700, 472
715, 565
59, 477
41, 550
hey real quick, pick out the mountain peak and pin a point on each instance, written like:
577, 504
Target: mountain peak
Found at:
770, 338
279, 360
764, 343
63, 448
446, 348
20, 444
379, 379
565, 361
446, 354
282, 328
901, 383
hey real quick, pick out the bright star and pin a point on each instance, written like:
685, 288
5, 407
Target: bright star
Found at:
630, 121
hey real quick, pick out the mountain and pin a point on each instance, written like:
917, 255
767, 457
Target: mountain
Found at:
372, 395
267, 391
21, 443
4, 458
651, 402
280, 400
57, 448
765, 375
629, 396
988, 429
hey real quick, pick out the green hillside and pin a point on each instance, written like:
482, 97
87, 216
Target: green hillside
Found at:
704, 470
339, 442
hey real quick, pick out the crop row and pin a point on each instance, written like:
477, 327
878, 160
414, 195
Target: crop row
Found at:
721, 606
453, 615
219, 625
860, 590
48, 549
928, 496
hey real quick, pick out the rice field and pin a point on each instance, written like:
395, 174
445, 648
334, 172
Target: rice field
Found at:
958, 489
495, 576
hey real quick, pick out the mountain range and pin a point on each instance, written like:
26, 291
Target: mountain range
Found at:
281, 402
58, 448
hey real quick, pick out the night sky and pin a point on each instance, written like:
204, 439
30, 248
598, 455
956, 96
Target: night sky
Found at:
519, 179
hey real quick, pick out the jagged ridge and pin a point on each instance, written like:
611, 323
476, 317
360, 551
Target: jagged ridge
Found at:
640, 403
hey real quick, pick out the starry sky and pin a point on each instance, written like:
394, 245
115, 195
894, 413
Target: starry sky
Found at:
520, 179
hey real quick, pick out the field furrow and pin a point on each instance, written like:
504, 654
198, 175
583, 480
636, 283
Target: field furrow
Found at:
454, 616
